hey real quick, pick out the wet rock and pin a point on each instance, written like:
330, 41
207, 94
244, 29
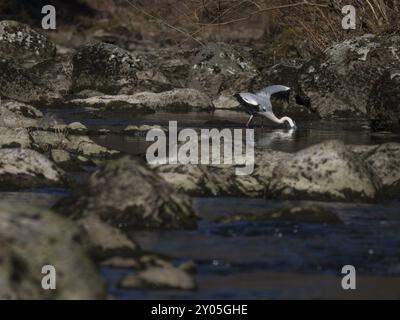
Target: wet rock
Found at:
302, 213
74, 144
77, 128
385, 163
221, 68
14, 138
383, 107
105, 241
181, 100
86, 147
221, 180
23, 109
167, 277
25, 168
203, 180
142, 130
107, 68
22, 44
121, 263
31, 238
327, 171
11, 119
126, 193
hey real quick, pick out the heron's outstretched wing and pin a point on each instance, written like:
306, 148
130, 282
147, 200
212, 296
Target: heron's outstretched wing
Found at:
251, 102
269, 91
276, 91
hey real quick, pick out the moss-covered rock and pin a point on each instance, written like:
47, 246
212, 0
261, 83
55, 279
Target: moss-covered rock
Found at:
20, 43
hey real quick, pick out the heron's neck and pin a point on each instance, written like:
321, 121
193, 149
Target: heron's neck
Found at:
290, 121
281, 120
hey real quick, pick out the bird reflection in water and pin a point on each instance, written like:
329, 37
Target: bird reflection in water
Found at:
276, 138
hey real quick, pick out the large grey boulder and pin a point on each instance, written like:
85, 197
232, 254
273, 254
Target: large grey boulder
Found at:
110, 69
31, 238
329, 171
326, 171
25, 168
28, 68
104, 67
126, 193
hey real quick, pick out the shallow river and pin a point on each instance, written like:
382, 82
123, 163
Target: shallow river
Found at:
264, 259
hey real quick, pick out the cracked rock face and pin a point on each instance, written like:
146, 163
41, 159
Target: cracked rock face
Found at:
21, 43
126, 193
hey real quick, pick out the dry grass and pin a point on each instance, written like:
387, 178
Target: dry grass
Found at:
256, 21
317, 21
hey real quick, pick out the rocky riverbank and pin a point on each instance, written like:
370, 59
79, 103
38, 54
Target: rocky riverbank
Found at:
91, 226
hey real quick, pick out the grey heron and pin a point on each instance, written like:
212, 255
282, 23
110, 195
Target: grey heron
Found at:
259, 103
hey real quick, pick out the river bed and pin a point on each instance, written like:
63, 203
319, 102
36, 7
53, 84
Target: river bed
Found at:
261, 259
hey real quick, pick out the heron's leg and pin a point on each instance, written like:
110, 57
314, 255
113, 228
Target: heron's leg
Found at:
248, 122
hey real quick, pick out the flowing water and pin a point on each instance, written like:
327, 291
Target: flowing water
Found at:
262, 259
